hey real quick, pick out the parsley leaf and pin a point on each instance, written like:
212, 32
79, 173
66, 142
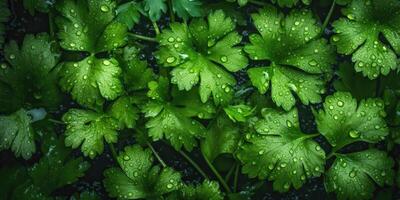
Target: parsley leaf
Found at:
138, 178
155, 8
4, 14
88, 26
359, 35
343, 122
31, 78
170, 121
352, 176
280, 152
299, 56
208, 190
128, 14
125, 112
187, 8
238, 112
222, 136
290, 3
88, 128
199, 52
17, 134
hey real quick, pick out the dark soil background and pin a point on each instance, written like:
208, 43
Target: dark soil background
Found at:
21, 23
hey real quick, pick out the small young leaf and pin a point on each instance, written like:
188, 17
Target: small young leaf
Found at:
155, 8
187, 8
128, 14
125, 112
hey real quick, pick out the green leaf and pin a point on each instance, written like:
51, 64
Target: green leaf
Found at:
359, 35
155, 8
136, 73
89, 129
350, 81
138, 178
17, 134
238, 112
128, 14
343, 122
89, 26
222, 136
280, 152
92, 80
190, 105
4, 14
300, 57
187, 8
290, 3
13, 176
30, 79
168, 122
57, 168
352, 176
208, 190
199, 53
125, 112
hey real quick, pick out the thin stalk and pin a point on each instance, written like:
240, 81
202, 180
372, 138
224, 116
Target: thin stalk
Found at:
194, 164
328, 17
219, 177
236, 178
229, 174
156, 29
333, 153
51, 24
156, 155
171, 11
142, 37
113, 152
259, 3
56, 121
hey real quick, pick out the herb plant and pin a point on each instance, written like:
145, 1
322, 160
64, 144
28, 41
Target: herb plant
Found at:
190, 99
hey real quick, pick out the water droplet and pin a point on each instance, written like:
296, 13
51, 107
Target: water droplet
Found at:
106, 62
171, 39
270, 166
224, 59
340, 103
3, 66
335, 38
171, 59
313, 62
169, 186
261, 152
126, 158
104, 8
12, 56
354, 134
352, 174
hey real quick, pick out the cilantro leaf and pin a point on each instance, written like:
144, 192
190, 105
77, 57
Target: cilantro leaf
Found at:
222, 136
208, 190
4, 14
343, 122
136, 73
88, 128
138, 178
359, 35
125, 112
169, 120
155, 8
89, 26
352, 176
199, 52
128, 14
299, 56
30, 79
92, 80
290, 3
17, 134
280, 152
57, 168
238, 112
187, 8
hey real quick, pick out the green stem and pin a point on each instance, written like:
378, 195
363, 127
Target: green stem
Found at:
141, 37
113, 152
194, 164
156, 29
171, 12
156, 155
236, 178
216, 173
328, 17
51, 24
333, 153
56, 121
229, 174
259, 3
